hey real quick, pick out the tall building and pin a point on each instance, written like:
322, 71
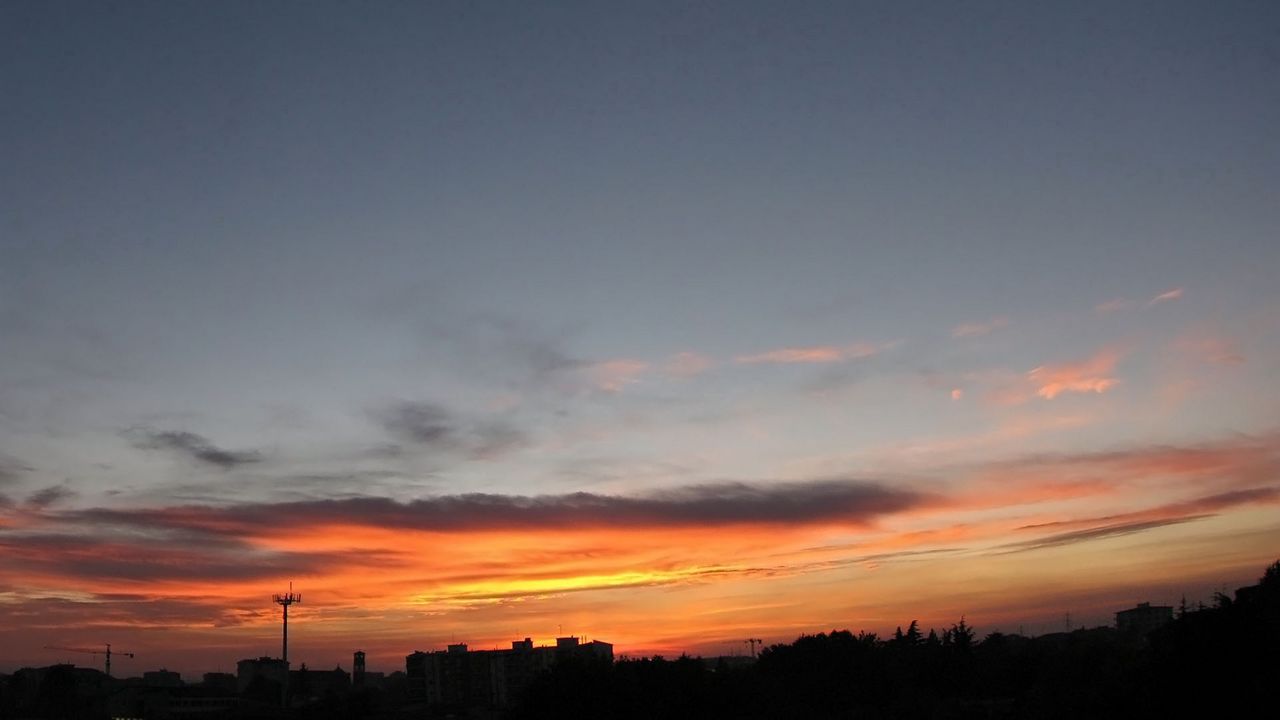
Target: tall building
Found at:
459, 677
1143, 619
357, 669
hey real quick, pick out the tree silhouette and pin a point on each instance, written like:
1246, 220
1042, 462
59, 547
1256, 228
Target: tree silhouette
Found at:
913, 636
1216, 662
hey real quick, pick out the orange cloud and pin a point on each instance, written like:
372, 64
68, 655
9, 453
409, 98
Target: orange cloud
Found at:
666, 570
795, 355
816, 354
979, 329
1092, 375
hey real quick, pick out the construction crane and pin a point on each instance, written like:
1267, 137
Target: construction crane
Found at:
753, 642
108, 653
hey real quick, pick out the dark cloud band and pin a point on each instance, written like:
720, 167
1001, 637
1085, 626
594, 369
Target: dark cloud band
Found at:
724, 504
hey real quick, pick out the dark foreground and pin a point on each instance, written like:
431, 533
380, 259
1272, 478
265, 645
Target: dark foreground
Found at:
1221, 661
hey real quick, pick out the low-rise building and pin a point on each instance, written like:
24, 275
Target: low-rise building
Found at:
219, 681
1143, 619
162, 678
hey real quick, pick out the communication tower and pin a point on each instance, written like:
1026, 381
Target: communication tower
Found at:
285, 601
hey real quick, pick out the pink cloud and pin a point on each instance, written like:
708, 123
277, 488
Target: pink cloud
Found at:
816, 354
1092, 375
1166, 296
957, 394
979, 329
688, 364
614, 375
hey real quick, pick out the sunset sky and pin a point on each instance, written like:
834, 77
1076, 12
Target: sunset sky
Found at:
667, 324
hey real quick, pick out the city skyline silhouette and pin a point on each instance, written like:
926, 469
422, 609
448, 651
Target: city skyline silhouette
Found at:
1149, 664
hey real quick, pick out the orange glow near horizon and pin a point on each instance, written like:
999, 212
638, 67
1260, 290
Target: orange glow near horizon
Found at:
1014, 538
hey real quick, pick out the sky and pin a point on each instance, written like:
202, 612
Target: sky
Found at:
664, 324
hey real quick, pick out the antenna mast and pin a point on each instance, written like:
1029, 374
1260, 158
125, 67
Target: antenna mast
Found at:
285, 601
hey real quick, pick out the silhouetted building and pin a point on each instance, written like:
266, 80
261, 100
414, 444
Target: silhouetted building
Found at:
259, 671
307, 685
220, 681
162, 678
490, 678
63, 682
1143, 619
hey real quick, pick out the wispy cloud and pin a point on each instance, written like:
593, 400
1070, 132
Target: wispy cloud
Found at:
615, 375
418, 422
1114, 305
433, 427
1118, 304
1231, 470
1166, 296
688, 364
1197, 507
193, 446
49, 496
506, 352
965, 330
11, 469
1092, 375
813, 354
1209, 349
1098, 533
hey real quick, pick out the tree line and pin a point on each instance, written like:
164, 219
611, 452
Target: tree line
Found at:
1216, 661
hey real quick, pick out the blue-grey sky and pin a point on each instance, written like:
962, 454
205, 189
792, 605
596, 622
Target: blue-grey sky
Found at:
263, 252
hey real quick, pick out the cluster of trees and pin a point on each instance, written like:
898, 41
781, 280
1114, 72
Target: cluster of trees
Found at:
1212, 662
